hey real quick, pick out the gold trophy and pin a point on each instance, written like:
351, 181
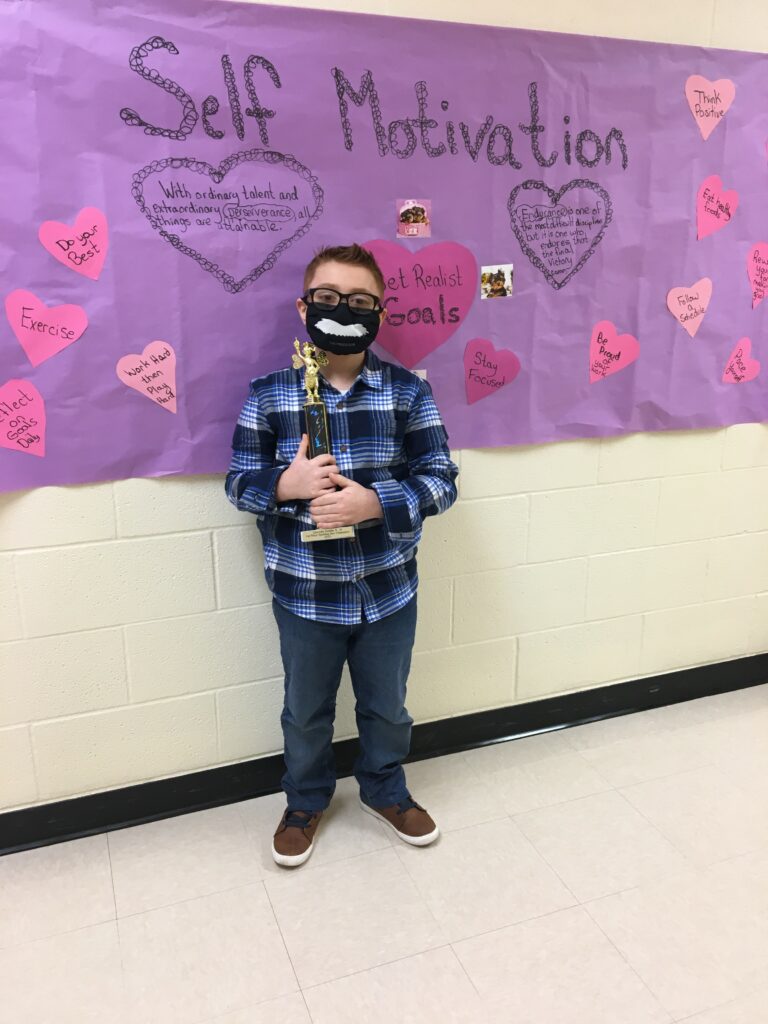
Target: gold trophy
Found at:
316, 417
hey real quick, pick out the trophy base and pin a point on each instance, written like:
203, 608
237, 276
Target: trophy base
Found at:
335, 533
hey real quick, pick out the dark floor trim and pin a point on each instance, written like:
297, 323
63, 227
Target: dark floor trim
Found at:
131, 805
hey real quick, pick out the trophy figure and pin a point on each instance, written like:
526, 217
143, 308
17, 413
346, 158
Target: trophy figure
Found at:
316, 418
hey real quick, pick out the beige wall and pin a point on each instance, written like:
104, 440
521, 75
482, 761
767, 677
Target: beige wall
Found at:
136, 638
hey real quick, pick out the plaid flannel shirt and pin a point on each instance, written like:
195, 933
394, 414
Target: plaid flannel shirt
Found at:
386, 433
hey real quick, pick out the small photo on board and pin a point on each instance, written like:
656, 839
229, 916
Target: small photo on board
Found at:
496, 281
414, 218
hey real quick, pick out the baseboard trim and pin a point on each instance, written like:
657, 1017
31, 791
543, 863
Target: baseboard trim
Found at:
95, 813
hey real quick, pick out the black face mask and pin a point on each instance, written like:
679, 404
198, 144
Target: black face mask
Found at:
341, 330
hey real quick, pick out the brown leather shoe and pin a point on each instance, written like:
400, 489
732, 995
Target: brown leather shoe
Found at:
409, 820
292, 841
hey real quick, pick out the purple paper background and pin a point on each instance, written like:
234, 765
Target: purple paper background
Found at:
64, 77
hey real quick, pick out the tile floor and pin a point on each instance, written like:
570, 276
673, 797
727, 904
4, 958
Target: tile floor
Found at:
613, 873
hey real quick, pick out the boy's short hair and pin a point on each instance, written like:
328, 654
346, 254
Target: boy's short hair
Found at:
354, 255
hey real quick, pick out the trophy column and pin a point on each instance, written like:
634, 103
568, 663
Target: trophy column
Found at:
316, 418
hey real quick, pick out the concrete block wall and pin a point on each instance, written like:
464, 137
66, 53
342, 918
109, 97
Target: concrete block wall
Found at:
136, 638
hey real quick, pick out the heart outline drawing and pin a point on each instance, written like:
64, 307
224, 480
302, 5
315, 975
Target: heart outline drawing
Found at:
217, 174
555, 198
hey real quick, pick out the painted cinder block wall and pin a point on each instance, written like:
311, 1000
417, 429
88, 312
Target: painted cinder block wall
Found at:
136, 635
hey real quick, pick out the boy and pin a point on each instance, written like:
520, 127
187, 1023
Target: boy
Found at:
343, 600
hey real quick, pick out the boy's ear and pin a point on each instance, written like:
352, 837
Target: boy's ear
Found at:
302, 308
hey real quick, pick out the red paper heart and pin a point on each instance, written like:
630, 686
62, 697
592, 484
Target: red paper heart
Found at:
709, 101
83, 246
428, 295
689, 304
741, 367
610, 351
43, 330
487, 369
153, 373
22, 418
715, 206
757, 271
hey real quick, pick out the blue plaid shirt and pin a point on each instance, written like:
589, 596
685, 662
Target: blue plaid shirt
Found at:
386, 433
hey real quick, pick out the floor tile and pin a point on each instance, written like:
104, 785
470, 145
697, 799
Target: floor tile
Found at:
453, 792
64, 979
483, 877
656, 823
543, 783
351, 915
204, 957
431, 986
284, 1010
694, 938
180, 858
55, 889
747, 1009
557, 969
705, 814
600, 844
652, 755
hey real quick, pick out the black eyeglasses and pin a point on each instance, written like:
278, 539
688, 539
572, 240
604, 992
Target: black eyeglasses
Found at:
329, 298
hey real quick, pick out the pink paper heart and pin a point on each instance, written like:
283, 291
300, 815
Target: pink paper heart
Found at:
428, 295
153, 373
714, 206
43, 330
757, 271
741, 367
610, 351
709, 101
22, 417
688, 305
486, 369
82, 246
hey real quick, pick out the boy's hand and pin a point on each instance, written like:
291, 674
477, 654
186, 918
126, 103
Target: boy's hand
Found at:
306, 478
350, 505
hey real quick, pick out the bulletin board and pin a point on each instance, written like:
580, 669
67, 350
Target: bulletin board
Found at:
573, 230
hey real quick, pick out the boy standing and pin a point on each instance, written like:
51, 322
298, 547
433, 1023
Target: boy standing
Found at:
343, 600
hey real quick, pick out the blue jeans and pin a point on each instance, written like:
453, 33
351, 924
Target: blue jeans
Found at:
379, 656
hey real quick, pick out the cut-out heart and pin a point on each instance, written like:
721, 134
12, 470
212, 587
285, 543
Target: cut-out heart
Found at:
43, 330
256, 212
486, 369
83, 246
428, 295
741, 367
558, 238
709, 101
22, 418
688, 305
153, 373
757, 271
714, 206
610, 351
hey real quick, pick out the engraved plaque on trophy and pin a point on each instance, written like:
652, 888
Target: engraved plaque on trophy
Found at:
316, 418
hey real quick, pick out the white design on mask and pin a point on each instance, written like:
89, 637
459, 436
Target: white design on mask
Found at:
351, 330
